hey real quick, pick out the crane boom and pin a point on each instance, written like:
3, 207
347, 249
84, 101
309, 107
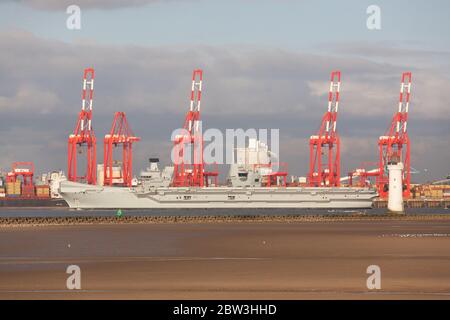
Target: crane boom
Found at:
394, 146
187, 173
83, 136
324, 167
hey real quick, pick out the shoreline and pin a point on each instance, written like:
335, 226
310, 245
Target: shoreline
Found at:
17, 222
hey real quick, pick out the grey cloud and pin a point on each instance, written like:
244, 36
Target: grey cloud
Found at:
383, 49
414, 53
244, 80
85, 4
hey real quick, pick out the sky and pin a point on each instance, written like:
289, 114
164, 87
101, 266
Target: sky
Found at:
266, 65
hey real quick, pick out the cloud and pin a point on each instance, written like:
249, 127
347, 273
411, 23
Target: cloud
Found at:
86, 4
26, 97
244, 87
241, 80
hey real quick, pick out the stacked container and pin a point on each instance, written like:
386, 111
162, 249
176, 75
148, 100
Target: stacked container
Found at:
43, 191
431, 191
13, 189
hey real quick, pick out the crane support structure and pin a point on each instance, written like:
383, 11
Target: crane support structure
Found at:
324, 167
188, 146
394, 146
83, 135
24, 169
120, 133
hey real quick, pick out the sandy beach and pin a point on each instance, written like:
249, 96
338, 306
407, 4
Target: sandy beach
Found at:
250, 260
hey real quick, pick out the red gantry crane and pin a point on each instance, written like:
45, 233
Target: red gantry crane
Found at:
394, 146
83, 135
120, 133
189, 168
24, 169
189, 144
324, 167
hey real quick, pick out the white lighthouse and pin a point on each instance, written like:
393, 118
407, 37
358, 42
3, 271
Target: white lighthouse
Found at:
395, 200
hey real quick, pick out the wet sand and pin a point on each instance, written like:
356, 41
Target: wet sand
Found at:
249, 260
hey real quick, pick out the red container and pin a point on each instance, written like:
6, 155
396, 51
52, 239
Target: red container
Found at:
28, 190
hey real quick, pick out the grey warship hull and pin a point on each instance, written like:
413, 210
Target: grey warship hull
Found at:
83, 196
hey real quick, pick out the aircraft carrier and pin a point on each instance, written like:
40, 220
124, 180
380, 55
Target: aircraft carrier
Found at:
84, 196
244, 189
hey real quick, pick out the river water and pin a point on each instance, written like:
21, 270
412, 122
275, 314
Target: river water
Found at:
66, 212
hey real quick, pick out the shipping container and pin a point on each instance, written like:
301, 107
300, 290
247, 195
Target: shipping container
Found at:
439, 194
28, 190
43, 191
13, 188
13, 195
